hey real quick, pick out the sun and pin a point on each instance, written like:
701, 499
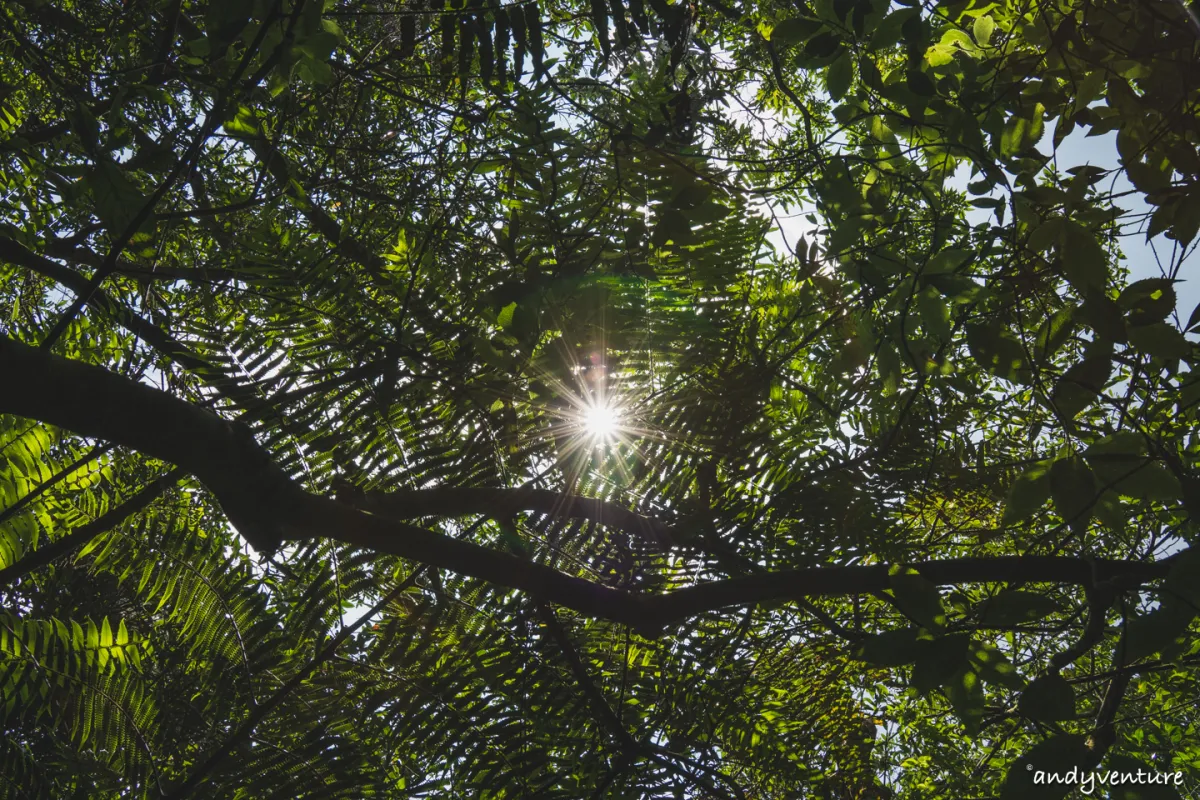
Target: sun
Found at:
602, 421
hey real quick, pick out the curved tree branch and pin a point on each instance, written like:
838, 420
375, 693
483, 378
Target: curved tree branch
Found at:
1104, 730
14, 252
267, 506
451, 501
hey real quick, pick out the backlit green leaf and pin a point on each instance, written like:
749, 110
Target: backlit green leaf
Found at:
1028, 493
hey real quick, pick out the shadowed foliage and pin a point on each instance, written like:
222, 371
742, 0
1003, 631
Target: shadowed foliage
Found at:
606, 399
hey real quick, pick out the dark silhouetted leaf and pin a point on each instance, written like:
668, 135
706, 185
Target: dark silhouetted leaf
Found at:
1013, 607
1049, 699
1028, 493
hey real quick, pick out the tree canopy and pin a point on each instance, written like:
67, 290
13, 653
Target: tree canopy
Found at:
608, 399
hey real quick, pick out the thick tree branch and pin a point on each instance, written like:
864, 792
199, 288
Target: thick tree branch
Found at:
14, 252
255, 406
1104, 730
777, 72
1099, 602
452, 501
266, 505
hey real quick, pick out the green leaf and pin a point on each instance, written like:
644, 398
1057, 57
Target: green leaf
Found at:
1153, 482
1047, 235
889, 30
318, 73
335, 30
990, 664
822, 45
982, 29
1148, 301
535, 37
505, 318
673, 226
939, 661
318, 46
1073, 488
122, 635
1136, 477
845, 235
1161, 220
224, 20
1102, 314
1048, 699
935, 314
939, 55
1084, 262
1183, 580
1163, 630
1082, 383
244, 123
947, 260
1022, 132
890, 648
1186, 223
117, 200
888, 363
1193, 319
1014, 607
920, 84
852, 356
1160, 340
708, 212
1111, 513
795, 30
869, 74
964, 690
996, 351
1028, 493
839, 76
490, 355
1054, 333
917, 597
1121, 443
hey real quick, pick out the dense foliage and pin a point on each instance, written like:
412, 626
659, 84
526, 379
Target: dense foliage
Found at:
405, 399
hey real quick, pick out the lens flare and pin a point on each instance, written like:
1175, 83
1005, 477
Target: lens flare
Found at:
601, 422
592, 414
